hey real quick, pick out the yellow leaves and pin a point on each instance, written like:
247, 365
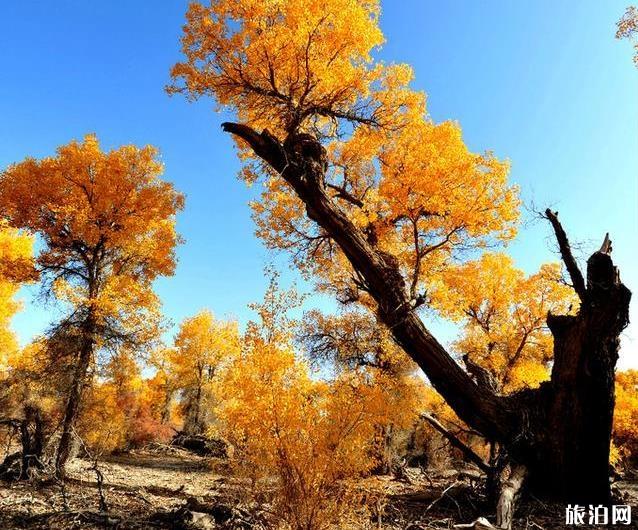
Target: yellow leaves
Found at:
625, 431
411, 186
122, 409
203, 343
203, 346
309, 435
103, 424
503, 313
274, 61
16, 267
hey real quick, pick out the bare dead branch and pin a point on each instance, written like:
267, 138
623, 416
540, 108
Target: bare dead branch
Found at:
566, 253
454, 440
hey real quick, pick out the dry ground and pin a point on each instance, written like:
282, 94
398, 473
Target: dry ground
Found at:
147, 489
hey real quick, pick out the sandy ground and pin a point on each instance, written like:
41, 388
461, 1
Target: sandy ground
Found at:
139, 485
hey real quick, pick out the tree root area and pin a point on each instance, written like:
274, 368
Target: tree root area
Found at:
178, 490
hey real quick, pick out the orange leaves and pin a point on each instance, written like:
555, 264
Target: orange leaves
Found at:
279, 62
86, 197
108, 227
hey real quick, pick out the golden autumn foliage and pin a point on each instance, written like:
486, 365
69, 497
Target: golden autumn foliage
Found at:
108, 230
16, 268
120, 409
625, 433
503, 313
412, 185
307, 435
31, 377
353, 344
106, 223
202, 346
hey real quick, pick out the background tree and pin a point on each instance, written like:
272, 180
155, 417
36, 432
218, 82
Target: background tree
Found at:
120, 410
202, 344
376, 200
16, 268
352, 344
107, 226
627, 28
503, 313
626, 417
163, 385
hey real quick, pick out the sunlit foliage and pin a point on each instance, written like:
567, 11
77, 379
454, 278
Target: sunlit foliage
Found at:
503, 313
107, 225
626, 416
120, 410
202, 345
16, 267
412, 185
310, 436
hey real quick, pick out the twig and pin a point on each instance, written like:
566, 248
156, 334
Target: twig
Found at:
455, 483
98, 474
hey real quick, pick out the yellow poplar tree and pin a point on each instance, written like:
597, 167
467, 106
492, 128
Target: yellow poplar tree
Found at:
107, 224
376, 200
293, 435
503, 313
16, 268
626, 416
202, 345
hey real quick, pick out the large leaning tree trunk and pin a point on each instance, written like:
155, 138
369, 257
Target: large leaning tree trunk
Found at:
558, 436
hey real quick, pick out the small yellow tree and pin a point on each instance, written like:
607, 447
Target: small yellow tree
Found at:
309, 437
202, 345
626, 416
16, 268
300, 438
353, 344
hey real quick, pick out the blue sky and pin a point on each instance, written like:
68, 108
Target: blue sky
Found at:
542, 83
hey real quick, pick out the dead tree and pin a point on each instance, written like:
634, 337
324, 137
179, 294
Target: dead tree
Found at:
21, 464
559, 432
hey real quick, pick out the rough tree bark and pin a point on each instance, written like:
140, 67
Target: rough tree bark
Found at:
21, 464
75, 396
560, 432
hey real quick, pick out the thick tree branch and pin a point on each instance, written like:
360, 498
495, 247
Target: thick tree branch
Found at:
303, 169
265, 145
566, 253
343, 193
456, 442
484, 378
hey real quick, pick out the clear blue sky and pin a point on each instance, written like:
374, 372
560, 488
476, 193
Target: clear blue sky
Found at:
542, 83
